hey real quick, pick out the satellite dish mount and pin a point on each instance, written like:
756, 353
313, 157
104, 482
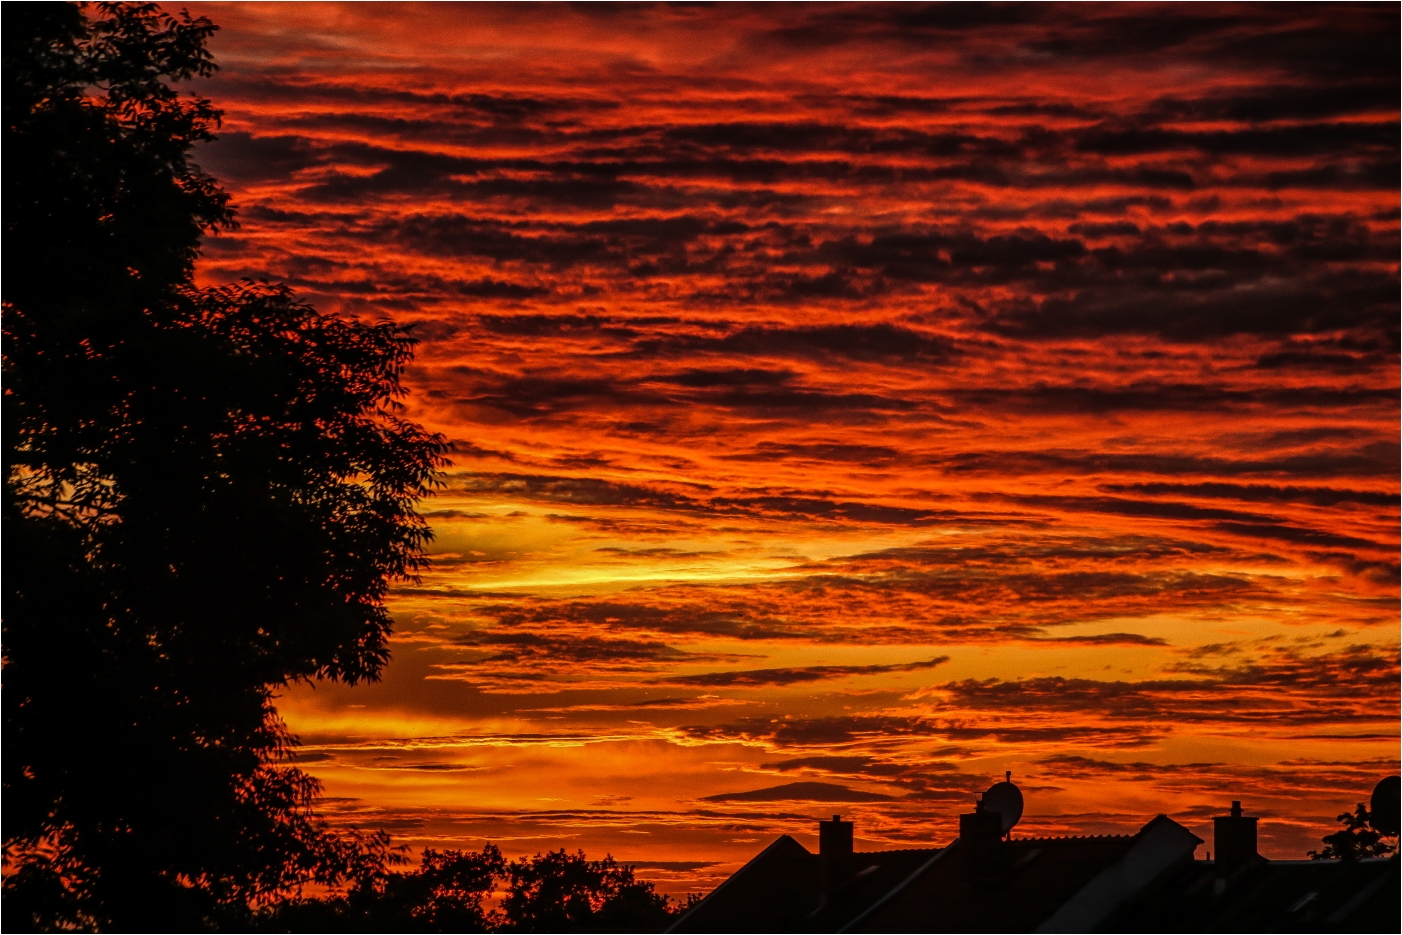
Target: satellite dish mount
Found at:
1005, 799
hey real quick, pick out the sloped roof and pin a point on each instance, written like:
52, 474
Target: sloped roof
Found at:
1269, 896
781, 890
1030, 884
984, 885
870, 876
771, 893
1030, 880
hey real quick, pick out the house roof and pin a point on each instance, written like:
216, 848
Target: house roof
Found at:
1021, 887
1269, 896
1144, 882
771, 893
1017, 886
781, 890
868, 878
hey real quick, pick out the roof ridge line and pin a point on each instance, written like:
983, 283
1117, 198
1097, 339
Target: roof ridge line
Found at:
1074, 837
904, 850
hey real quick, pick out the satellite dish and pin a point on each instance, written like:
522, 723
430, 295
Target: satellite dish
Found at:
1006, 799
1387, 797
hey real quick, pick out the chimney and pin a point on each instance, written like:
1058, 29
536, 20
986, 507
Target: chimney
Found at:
834, 852
1234, 840
980, 838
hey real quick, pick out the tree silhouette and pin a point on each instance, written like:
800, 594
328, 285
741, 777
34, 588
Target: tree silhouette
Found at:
448, 893
206, 495
1355, 840
452, 891
562, 892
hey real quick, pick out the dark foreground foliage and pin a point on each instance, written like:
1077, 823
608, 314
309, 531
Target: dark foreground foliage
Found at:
207, 493
1355, 840
479, 891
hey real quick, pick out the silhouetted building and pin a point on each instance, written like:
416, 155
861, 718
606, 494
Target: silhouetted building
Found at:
987, 881
1241, 891
1233, 839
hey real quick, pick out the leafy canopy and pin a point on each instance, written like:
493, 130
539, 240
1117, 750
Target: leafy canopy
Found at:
207, 494
1355, 840
479, 891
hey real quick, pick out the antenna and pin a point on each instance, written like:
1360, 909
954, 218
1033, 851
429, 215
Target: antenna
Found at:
1005, 799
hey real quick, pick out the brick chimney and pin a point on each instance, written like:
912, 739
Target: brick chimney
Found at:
1234, 840
980, 839
834, 852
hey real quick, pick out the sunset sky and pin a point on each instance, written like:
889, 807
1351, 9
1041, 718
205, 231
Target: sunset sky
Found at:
880, 396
